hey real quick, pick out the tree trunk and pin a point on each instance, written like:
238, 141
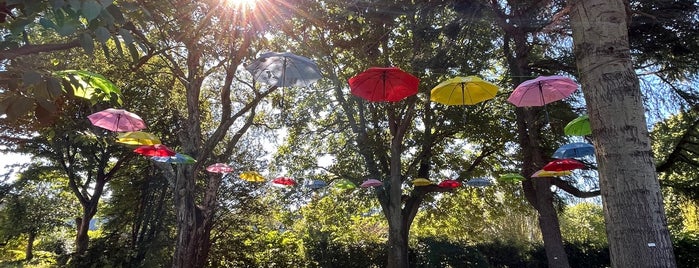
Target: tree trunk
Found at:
82, 239
549, 225
633, 207
191, 250
29, 252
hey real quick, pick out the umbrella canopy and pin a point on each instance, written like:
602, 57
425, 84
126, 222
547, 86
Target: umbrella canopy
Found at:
563, 165
117, 120
578, 127
384, 84
219, 168
154, 150
138, 138
175, 159
284, 70
543, 173
512, 177
422, 182
574, 150
315, 184
371, 183
463, 91
449, 184
542, 90
479, 182
344, 184
284, 181
252, 176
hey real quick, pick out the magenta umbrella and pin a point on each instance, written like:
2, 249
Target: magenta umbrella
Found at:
542, 90
371, 183
219, 168
117, 120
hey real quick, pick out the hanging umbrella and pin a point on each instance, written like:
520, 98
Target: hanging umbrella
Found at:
117, 120
574, 150
219, 168
315, 184
563, 165
252, 176
542, 90
284, 181
422, 182
138, 138
463, 91
284, 70
511, 177
479, 182
578, 127
371, 183
384, 84
544, 174
175, 159
449, 184
345, 184
154, 150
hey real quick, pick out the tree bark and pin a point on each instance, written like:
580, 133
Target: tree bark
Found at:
633, 206
29, 252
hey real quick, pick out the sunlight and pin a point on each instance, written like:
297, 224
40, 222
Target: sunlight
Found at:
242, 4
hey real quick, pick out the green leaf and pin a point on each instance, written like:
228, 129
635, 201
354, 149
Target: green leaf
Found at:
67, 29
102, 34
91, 86
30, 78
46, 112
48, 24
53, 87
90, 9
16, 106
116, 14
87, 43
126, 35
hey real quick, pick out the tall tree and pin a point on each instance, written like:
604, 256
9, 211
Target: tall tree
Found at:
635, 219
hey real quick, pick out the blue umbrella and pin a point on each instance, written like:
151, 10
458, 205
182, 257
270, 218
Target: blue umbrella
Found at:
574, 150
479, 182
314, 184
176, 159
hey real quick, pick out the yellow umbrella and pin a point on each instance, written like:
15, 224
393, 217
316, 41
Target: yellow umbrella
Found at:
463, 91
252, 176
543, 173
422, 182
138, 138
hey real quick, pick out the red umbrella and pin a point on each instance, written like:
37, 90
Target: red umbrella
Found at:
384, 84
285, 181
219, 168
450, 184
154, 150
563, 165
117, 120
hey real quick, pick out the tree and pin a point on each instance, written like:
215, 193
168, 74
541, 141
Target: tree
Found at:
635, 219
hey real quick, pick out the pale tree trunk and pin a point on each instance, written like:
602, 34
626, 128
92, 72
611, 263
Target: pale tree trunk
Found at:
633, 207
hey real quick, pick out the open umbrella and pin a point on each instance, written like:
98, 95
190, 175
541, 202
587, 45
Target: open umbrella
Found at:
219, 168
463, 91
542, 90
578, 127
421, 182
117, 120
574, 150
137, 138
543, 173
154, 150
479, 182
563, 165
371, 183
449, 184
284, 70
175, 159
344, 184
314, 184
511, 177
252, 176
384, 84
284, 181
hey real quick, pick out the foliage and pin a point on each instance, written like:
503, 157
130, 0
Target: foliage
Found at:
583, 223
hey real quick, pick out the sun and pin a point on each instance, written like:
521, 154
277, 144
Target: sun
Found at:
242, 4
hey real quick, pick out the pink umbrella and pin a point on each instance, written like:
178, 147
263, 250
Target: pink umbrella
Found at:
117, 120
563, 165
371, 183
542, 90
449, 184
284, 181
379, 84
219, 168
154, 150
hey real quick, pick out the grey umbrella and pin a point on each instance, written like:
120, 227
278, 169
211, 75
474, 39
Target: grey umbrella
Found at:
284, 70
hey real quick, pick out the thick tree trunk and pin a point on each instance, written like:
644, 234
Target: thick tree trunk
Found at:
29, 252
549, 225
192, 247
633, 207
82, 239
